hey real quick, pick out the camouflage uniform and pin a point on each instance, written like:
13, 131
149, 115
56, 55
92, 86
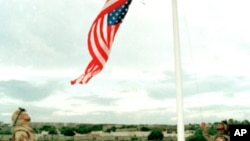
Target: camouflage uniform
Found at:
213, 138
21, 133
222, 138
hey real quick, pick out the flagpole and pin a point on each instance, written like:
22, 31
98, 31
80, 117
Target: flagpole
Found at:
179, 98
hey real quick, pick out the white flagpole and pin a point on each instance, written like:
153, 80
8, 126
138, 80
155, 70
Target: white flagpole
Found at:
179, 99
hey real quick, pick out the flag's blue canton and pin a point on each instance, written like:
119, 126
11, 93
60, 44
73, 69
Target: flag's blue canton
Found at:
117, 15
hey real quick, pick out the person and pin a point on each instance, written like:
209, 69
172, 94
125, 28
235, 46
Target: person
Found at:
21, 129
222, 132
221, 138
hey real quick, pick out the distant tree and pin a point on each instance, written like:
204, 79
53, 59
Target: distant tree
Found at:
211, 130
197, 136
5, 130
245, 122
111, 129
46, 127
68, 131
134, 138
156, 135
171, 129
129, 126
192, 127
230, 121
97, 127
36, 130
50, 129
52, 132
233, 122
143, 128
84, 129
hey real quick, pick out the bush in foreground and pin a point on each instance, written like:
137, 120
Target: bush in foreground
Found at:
155, 135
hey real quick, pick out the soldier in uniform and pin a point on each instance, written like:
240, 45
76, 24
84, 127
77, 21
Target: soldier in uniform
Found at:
21, 128
222, 129
221, 138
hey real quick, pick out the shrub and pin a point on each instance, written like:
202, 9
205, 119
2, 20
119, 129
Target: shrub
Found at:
156, 135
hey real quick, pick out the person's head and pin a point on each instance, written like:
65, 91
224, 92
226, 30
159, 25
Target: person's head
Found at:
20, 117
222, 127
221, 138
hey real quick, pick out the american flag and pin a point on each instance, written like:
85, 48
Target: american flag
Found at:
101, 36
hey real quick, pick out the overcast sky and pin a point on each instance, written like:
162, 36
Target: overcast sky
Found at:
43, 46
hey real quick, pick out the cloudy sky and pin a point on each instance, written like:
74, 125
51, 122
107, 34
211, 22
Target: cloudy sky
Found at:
43, 47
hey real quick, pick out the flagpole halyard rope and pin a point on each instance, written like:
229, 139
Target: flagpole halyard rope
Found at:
195, 70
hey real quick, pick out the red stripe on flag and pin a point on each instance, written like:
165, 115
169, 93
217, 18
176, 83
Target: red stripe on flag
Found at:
101, 36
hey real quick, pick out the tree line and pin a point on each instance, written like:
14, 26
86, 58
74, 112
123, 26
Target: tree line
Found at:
155, 131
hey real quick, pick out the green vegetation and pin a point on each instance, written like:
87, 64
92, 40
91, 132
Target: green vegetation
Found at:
156, 131
111, 129
156, 135
50, 129
197, 136
68, 131
144, 128
84, 129
5, 129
